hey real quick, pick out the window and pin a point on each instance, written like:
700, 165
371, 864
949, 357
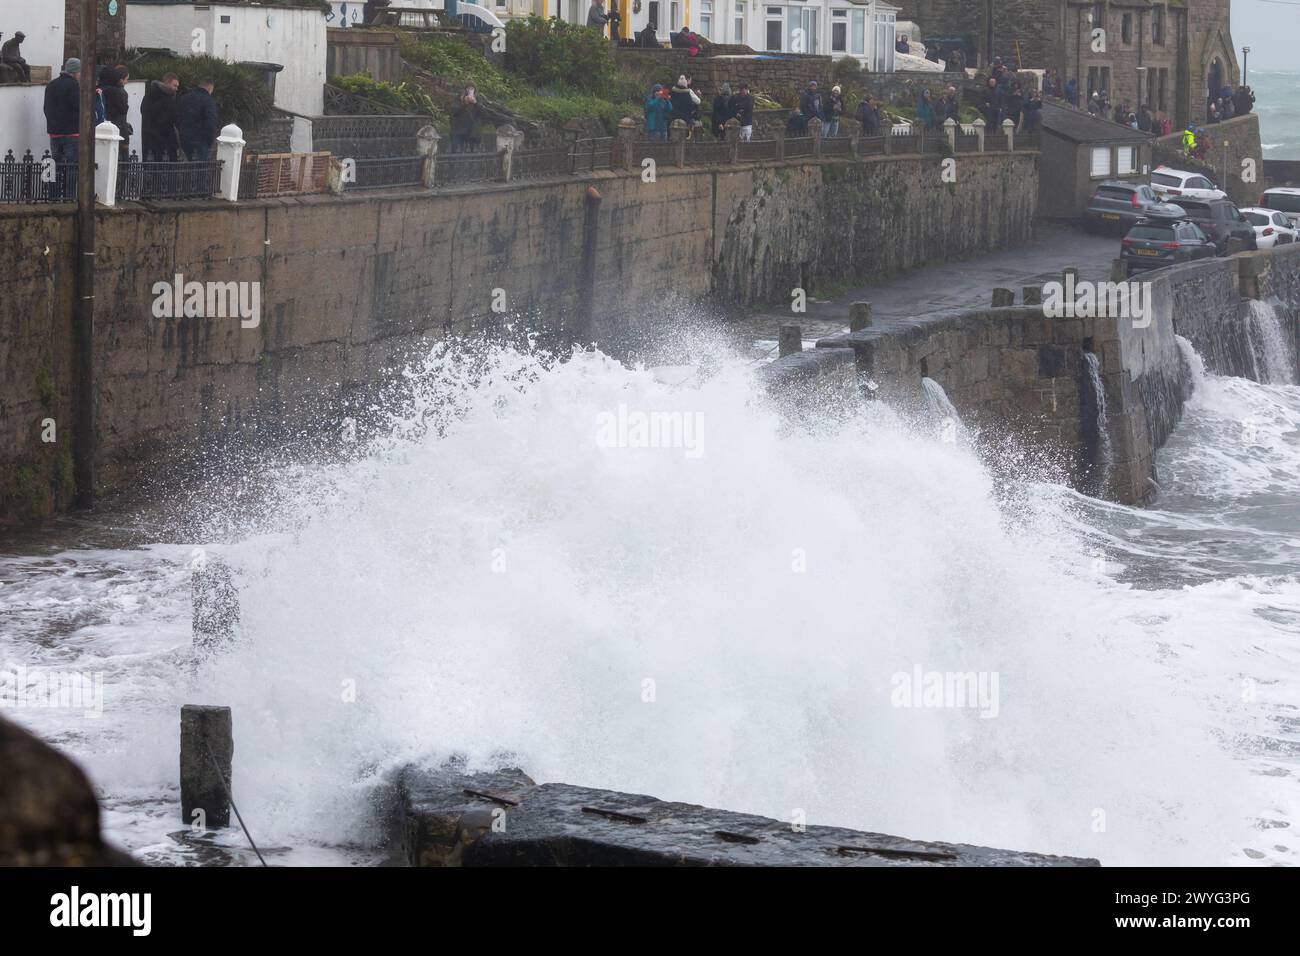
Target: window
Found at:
1127, 160
1126, 28
675, 13
653, 15
739, 24
1151, 87
1097, 18
1100, 161
775, 28
839, 31
1158, 26
857, 31
1164, 87
796, 40
706, 19
575, 13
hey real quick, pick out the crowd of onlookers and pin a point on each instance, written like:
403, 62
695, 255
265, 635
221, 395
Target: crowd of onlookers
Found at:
174, 124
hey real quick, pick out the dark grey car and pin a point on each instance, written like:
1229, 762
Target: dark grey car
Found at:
1221, 221
1164, 241
1118, 204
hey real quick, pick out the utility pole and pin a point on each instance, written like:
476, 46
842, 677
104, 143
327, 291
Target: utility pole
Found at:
1245, 53
83, 329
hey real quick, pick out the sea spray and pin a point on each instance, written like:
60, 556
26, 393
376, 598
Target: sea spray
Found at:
1272, 355
501, 583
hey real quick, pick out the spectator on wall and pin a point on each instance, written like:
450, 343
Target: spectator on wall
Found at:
797, 124
721, 111
158, 116
686, 103
198, 122
1243, 100
1072, 92
466, 117
1033, 111
869, 117
63, 113
810, 104
658, 109
901, 45
742, 108
833, 108
926, 114
112, 82
11, 55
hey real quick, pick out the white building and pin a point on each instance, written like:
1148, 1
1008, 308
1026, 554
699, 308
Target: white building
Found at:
293, 37
863, 29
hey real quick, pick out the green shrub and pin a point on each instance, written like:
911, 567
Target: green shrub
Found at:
450, 59
846, 69
242, 96
553, 53
402, 96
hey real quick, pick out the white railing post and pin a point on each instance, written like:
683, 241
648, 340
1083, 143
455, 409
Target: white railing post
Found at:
1009, 128
107, 143
950, 128
979, 125
230, 150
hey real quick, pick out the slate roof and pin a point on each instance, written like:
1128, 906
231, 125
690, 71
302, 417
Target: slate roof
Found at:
1080, 126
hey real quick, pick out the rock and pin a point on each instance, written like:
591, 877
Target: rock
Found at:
49, 815
448, 818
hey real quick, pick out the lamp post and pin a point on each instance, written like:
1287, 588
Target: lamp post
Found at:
1142, 76
1245, 53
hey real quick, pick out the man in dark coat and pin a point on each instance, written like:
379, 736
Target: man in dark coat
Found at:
466, 117
869, 117
63, 113
810, 104
112, 80
742, 107
686, 102
721, 111
198, 122
158, 115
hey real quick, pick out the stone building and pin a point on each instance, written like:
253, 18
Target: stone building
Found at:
110, 26
1164, 53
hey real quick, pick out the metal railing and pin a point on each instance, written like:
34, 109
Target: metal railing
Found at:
592, 154
140, 180
388, 172
536, 163
30, 180
455, 169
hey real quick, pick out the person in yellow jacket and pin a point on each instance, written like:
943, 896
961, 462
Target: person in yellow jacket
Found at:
1189, 141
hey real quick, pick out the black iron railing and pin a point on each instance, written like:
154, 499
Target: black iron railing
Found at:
592, 154
454, 169
388, 173
139, 180
31, 180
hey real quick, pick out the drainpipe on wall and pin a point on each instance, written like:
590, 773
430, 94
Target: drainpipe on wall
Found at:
83, 325
587, 273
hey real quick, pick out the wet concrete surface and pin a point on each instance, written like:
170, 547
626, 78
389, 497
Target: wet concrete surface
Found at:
943, 287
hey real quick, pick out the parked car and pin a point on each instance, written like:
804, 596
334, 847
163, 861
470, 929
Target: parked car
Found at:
1284, 199
1272, 228
1119, 203
1169, 182
1163, 239
1221, 221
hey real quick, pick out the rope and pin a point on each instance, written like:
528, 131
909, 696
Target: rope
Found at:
229, 796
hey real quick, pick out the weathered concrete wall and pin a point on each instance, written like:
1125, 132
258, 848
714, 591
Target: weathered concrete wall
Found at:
350, 286
1021, 379
813, 227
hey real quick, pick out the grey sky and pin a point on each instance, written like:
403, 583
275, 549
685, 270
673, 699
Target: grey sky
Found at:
1270, 29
